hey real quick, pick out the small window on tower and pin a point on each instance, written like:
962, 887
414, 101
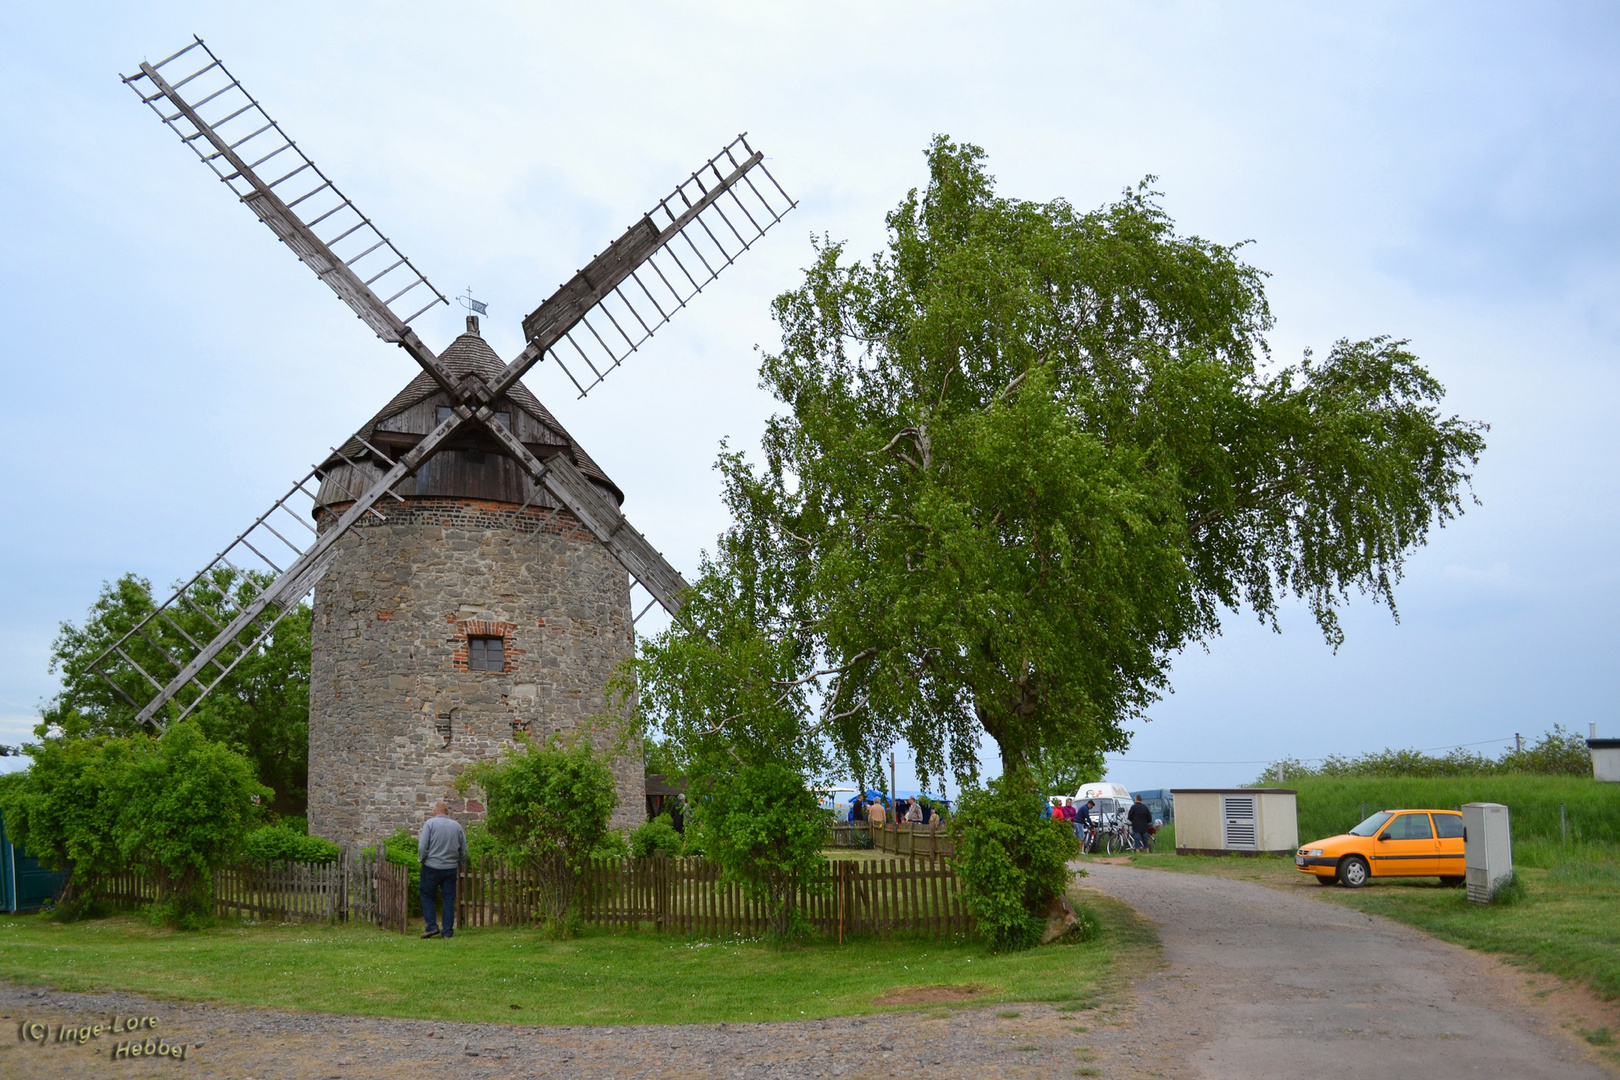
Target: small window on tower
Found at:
441, 414
486, 654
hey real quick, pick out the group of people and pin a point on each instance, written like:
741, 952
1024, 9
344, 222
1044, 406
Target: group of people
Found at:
910, 811
1084, 820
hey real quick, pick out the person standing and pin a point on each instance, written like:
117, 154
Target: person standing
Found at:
913, 813
1084, 824
875, 813
441, 849
1141, 819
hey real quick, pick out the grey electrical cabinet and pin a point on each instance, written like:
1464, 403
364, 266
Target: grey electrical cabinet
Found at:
1487, 849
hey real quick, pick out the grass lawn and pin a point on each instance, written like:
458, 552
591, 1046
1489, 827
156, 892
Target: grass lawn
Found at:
518, 976
1568, 923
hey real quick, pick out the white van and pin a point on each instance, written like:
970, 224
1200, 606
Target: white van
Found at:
1112, 799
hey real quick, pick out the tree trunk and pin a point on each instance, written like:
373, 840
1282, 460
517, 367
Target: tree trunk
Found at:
1014, 757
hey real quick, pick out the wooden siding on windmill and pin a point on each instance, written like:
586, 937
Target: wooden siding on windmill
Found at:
471, 465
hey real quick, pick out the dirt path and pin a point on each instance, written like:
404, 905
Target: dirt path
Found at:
1006, 1042
1261, 983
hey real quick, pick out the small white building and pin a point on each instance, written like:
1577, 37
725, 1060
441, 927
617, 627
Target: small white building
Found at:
1236, 821
1605, 759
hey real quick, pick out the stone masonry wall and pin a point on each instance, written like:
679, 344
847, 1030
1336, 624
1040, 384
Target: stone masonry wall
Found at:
395, 715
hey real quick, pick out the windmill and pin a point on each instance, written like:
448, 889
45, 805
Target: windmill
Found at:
463, 503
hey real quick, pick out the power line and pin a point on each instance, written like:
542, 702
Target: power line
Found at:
1269, 761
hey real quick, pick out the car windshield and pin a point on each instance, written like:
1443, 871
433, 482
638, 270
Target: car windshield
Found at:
1372, 824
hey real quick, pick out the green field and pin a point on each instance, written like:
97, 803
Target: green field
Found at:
598, 978
1331, 805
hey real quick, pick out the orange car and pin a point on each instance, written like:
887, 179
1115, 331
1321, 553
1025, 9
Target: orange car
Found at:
1391, 843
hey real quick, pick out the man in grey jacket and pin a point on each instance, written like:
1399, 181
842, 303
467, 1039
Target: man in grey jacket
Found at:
440, 849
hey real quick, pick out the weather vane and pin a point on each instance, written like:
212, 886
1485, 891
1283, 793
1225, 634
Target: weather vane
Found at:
477, 307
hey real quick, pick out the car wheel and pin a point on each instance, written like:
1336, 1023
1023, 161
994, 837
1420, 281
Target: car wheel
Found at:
1452, 882
1353, 872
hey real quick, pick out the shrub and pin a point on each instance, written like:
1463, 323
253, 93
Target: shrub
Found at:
655, 835
482, 844
613, 846
64, 812
550, 805
1559, 752
186, 804
1011, 858
765, 828
285, 841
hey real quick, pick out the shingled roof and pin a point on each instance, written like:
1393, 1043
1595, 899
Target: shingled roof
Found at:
470, 353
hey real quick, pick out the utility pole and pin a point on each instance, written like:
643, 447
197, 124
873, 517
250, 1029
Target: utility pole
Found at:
1518, 743
891, 779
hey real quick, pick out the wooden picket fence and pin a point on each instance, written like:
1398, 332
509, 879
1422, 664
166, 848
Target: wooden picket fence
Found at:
664, 895
849, 834
687, 896
931, 841
359, 886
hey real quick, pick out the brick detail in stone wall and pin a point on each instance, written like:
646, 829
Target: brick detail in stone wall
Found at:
466, 628
466, 513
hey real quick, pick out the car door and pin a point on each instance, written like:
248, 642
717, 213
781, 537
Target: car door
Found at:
1448, 829
1405, 847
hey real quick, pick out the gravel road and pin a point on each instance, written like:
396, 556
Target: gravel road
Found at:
1262, 983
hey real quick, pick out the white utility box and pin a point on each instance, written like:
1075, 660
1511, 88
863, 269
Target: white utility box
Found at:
1487, 849
1236, 821
1605, 759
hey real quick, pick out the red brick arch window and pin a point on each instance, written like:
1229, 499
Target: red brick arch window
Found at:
482, 645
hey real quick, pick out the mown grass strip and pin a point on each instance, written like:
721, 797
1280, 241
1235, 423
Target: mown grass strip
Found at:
599, 978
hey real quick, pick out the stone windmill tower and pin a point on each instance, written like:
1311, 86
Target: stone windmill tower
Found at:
474, 577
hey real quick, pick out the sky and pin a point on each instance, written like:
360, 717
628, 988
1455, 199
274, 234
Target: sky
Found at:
1442, 173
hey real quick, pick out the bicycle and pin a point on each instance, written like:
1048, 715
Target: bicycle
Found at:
1144, 847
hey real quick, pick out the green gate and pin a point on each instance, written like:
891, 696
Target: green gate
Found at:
24, 886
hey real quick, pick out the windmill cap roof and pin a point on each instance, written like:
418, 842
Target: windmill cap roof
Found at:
471, 354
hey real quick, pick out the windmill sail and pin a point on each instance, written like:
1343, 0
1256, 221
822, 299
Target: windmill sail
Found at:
250, 586
301, 205
609, 309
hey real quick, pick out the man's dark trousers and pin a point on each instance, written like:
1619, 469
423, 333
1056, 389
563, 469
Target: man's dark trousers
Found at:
434, 879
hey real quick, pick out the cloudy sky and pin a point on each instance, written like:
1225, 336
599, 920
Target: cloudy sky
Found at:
1443, 173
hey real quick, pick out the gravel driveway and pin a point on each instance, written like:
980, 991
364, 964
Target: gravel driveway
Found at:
1262, 983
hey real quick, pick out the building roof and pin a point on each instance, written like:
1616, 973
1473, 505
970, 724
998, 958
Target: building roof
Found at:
470, 353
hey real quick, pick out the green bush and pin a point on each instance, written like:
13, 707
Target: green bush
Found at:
64, 811
175, 807
613, 846
287, 841
1331, 805
550, 805
1011, 858
1557, 753
186, 804
657, 834
765, 828
482, 844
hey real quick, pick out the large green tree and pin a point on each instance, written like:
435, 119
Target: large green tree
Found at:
260, 708
1026, 455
